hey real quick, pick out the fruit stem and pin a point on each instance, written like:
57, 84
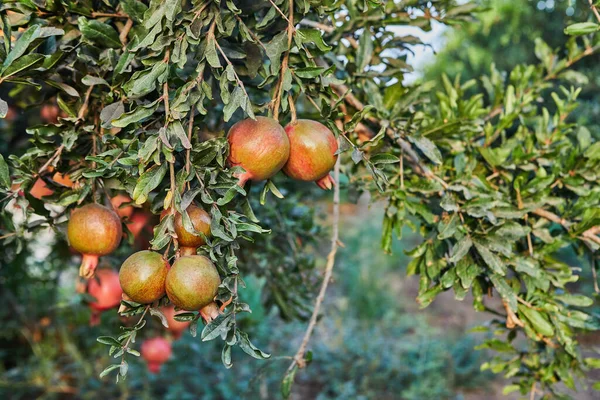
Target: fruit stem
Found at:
210, 312
188, 251
89, 262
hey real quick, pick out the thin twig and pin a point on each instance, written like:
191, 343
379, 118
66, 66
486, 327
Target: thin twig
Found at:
292, 108
594, 10
108, 15
8, 235
125, 32
299, 357
286, 57
188, 151
56, 154
84, 107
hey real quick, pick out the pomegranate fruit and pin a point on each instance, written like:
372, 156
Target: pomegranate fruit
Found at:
117, 203
143, 275
192, 283
49, 113
156, 352
188, 242
106, 289
260, 146
175, 327
312, 152
94, 231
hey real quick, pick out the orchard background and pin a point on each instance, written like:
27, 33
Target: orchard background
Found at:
476, 176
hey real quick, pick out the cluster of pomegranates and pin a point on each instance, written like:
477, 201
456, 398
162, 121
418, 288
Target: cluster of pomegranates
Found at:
191, 283
305, 150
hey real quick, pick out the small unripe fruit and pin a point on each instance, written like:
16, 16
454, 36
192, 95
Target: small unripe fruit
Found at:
106, 289
143, 275
260, 146
201, 223
312, 152
175, 327
156, 352
94, 231
192, 282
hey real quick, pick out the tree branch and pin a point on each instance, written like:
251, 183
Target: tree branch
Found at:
299, 357
407, 150
589, 234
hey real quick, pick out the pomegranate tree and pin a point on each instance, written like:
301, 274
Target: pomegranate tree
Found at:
312, 152
260, 146
143, 275
93, 230
192, 283
106, 290
156, 351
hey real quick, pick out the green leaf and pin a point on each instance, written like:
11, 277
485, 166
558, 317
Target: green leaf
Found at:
365, 50
250, 349
4, 174
384, 158
428, 148
147, 182
504, 290
99, 33
21, 45
288, 381
108, 340
582, 28
108, 369
275, 49
538, 320
111, 112
461, 248
22, 64
3, 108
147, 81
134, 116
308, 35
176, 129
491, 259
134, 9
216, 327
90, 80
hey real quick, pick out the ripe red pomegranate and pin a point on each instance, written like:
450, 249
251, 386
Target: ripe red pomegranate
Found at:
94, 231
120, 199
312, 152
175, 327
259, 146
143, 275
188, 242
192, 283
106, 289
156, 352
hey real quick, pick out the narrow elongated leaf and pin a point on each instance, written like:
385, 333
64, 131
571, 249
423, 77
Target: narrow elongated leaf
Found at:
21, 45
148, 182
99, 33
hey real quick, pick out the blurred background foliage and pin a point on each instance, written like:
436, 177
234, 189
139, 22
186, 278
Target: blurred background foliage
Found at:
372, 343
505, 36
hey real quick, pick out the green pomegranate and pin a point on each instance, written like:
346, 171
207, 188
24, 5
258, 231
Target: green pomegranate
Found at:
312, 152
192, 283
142, 276
188, 242
94, 231
260, 146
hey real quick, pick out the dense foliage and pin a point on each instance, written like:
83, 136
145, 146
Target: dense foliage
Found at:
492, 173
